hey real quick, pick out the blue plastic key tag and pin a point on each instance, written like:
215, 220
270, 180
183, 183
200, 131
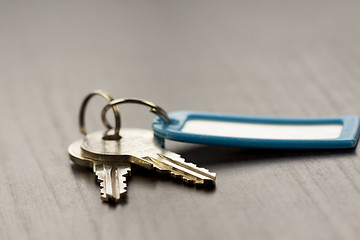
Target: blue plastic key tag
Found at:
259, 132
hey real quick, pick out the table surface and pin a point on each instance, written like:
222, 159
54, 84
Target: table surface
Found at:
275, 58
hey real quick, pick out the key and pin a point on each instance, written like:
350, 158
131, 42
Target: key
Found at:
111, 175
112, 180
141, 147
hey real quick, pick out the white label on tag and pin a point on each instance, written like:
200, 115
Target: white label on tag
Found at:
263, 130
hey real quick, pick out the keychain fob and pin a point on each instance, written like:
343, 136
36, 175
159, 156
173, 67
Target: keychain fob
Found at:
259, 132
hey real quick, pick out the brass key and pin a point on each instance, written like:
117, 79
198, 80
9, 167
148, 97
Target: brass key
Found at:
141, 147
111, 175
111, 160
110, 154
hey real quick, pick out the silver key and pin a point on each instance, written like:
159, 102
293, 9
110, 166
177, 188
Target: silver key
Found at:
112, 180
111, 175
140, 147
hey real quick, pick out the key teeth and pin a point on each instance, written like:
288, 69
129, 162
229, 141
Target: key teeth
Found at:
103, 194
98, 169
124, 181
193, 165
185, 179
197, 181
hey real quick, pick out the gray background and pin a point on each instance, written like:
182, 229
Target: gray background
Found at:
280, 58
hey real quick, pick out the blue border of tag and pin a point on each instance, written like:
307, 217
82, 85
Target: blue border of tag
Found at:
348, 138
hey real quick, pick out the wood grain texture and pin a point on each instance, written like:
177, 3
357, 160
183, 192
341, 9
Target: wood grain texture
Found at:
282, 58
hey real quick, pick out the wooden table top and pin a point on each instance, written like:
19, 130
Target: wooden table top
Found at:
274, 58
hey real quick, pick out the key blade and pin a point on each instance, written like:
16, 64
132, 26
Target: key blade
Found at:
177, 167
112, 180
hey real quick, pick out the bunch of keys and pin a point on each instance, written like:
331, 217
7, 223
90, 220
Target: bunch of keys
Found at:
112, 152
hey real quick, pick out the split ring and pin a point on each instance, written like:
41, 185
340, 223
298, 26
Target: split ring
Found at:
153, 108
103, 94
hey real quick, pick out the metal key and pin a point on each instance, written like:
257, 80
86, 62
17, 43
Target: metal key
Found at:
111, 175
110, 154
141, 147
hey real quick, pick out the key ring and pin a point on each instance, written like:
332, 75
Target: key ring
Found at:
153, 108
103, 94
